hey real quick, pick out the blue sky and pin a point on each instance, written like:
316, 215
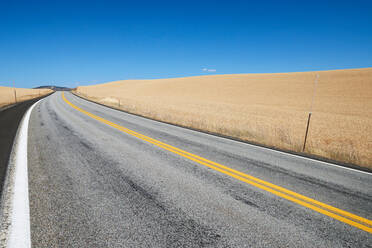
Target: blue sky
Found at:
87, 42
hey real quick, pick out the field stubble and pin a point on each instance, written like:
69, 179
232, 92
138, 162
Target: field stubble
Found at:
270, 109
7, 96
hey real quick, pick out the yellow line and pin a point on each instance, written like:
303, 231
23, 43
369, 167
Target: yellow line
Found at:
338, 214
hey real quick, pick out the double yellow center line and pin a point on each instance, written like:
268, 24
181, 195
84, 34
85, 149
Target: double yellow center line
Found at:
320, 207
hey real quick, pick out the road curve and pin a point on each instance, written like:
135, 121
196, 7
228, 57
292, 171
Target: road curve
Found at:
10, 117
99, 177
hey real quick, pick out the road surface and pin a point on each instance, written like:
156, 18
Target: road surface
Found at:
10, 117
99, 177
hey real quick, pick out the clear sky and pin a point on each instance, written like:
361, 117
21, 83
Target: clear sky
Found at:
88, 42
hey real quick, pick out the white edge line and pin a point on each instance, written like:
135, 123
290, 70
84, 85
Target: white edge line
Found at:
19, 233
244, 143
311, 159
281, 152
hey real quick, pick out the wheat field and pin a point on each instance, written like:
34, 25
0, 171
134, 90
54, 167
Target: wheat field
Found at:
7, 96
270, 109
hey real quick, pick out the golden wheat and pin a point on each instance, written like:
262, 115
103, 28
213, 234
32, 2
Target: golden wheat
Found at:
271, 109
7, 96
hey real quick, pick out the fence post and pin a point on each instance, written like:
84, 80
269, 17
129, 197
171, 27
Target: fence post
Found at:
15, 93
307, 130
310, 112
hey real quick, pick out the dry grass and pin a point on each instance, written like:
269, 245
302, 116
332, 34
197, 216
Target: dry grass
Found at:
270, 109
7, 95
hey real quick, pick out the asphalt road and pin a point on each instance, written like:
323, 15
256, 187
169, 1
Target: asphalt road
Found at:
10, 117
94, 185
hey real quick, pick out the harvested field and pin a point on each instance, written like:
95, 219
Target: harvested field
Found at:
270, 109
7, 96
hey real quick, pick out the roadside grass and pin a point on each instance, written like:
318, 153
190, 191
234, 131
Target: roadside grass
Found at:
269, 109
7, 96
